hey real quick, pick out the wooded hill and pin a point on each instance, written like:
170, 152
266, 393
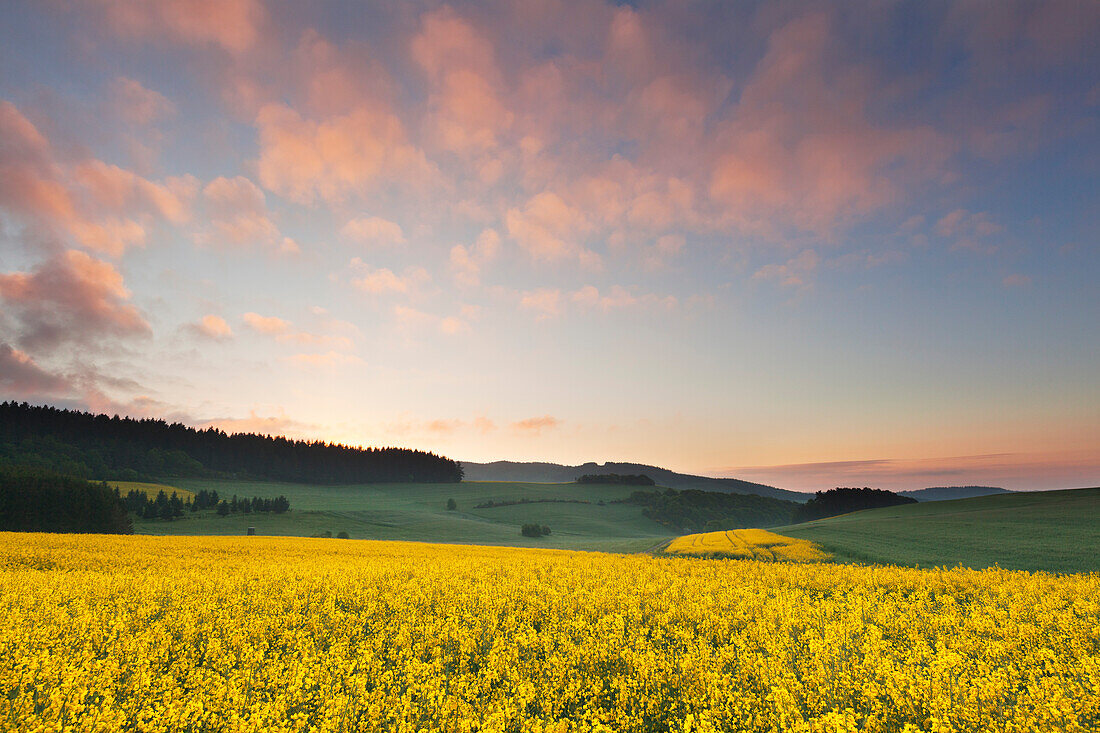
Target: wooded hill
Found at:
692, 510
101, 447
558, 473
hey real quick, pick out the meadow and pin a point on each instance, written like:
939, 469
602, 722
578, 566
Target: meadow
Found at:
418, 512
1057, 531
108, 633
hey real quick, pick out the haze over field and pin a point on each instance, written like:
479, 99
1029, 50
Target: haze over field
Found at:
839, 244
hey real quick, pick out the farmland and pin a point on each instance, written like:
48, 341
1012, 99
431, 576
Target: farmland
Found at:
747, 544
1052, 530
1056, 531
275, 634
419, 512
150, 490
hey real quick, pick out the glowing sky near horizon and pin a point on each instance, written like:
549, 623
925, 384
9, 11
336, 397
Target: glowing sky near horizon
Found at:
810, 244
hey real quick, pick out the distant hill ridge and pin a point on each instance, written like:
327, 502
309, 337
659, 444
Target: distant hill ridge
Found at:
558, 473
944, 493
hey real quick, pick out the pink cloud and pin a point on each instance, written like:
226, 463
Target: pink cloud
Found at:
238, 214
383, 280
20, 376
373, 230
794, 273
234, 25
380, 281
270, 425
802, 146
537, 424
329, 360
269, 325
284, 332
618, 298
547, 302
339, 157
466, 262
70, 298
484, 425
466, 112
550, 229
1016, 281
1007, 470
969, 230
98, 205
410, 320
117, 189
212, 327
137, 104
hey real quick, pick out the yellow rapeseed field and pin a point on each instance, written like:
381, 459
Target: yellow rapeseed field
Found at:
264, 634
150, 490
758, 544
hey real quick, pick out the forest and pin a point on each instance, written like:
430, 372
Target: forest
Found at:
100, 447
35, 500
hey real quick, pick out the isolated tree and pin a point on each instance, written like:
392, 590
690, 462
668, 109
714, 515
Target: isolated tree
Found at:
451, 505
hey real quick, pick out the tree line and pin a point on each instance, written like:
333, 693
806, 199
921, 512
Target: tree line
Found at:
95, 446
617, 479
35, 500
163, 506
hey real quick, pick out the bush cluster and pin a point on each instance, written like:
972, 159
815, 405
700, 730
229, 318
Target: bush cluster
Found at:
534, 530
844, 500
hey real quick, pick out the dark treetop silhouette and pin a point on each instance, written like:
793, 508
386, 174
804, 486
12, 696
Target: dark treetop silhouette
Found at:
97, 446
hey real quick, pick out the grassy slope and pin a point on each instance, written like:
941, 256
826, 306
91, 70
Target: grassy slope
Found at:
418, 512
1057, 531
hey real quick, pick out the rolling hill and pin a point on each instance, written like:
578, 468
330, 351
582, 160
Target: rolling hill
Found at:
945, 493
556, 472
1057, 531
417, 512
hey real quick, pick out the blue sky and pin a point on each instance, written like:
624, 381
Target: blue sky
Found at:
806, 243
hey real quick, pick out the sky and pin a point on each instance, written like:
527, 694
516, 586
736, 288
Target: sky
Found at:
807, 244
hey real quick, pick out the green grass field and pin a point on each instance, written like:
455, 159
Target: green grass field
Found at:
418, 512
1057, 531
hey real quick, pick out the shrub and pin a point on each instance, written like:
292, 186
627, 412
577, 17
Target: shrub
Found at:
451, 505
342, 536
